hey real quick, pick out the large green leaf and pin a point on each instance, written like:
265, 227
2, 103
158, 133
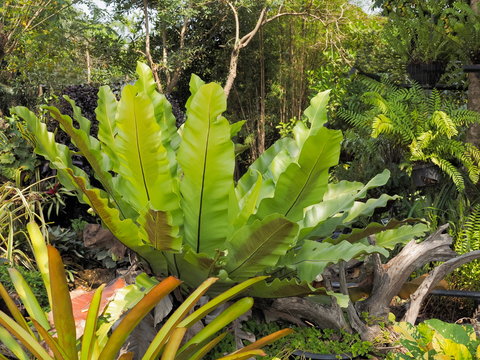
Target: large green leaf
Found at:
390, 238
46, 146
358, 234
89, 147
124, 230
278, 288
317, 111
248, 203
157, 230
272, 161
321, 220
305, 183
162, 108
258, 246
206, 157
106, 113
313, 257
367, 208
204, 265
143, 162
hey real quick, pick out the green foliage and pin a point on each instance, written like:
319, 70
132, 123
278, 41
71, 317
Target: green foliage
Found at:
422, 127
310, 339
468, 239
34, 280
17, 206
170, 195
418, 33
95, 341
16, 156
464, 25
436, 339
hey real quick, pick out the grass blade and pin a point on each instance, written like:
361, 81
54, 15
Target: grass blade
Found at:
89, 334
17, 315
161, 337
41, 255
24, 337
222, 320
28, 298
11, 343
50, 341
206, 348
266, 340
173, 343
135, 315
220, 299
62, 305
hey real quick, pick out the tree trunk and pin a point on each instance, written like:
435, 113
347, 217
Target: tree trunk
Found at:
473, 133
147, 47
232, 71
89, 66
261, 120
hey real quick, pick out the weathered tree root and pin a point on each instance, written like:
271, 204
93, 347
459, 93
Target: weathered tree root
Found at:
432, 279
389, 278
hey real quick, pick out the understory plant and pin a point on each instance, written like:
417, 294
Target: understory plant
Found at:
17, 161
418, 33
96, 341
169, 194
423, 127
468, 239
310, 339
435, 339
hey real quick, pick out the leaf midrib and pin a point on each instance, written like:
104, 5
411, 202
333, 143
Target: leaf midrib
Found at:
306, 182
202, 188
137, 145
261, 245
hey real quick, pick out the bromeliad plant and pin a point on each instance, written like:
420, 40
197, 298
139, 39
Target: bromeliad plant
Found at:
170, 194
95, 343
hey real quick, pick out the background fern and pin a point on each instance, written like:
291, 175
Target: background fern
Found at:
423, 126
468, 239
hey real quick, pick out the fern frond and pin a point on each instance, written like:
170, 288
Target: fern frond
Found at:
450, 170
444, 123
434, 101
381, 124
462, 117
473, 152
469, 237
355, 119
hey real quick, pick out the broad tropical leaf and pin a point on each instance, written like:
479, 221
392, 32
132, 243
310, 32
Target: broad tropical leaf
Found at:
259, 246
143, 162
305, 183
106, 113
314, 257
206, 157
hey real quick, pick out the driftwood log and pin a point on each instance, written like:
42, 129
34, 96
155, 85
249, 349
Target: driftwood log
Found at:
388, 278
432, 279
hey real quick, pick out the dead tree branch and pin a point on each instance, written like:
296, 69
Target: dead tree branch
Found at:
432, 280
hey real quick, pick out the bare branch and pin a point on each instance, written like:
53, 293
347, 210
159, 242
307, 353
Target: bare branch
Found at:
237, 22
432, 280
